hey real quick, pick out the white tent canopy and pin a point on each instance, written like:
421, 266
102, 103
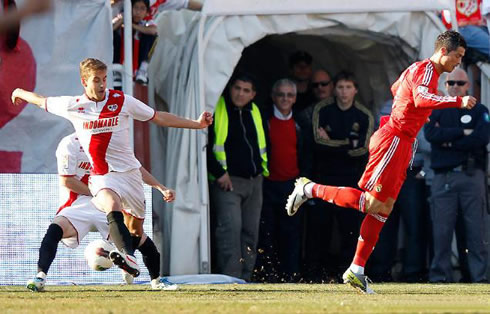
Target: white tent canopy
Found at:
197, 53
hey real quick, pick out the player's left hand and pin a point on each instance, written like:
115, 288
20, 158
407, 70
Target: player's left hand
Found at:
168, 195
205, 119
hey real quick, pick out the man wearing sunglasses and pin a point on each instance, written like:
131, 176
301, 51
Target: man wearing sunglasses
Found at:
458, 139
322, 88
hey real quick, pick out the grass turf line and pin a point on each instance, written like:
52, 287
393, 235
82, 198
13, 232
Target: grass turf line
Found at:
253, 298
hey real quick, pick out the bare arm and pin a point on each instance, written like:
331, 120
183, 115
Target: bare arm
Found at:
194, 5
168, 194
166, 119
30, 7
19, 95
117, 22
75, 185
149, 30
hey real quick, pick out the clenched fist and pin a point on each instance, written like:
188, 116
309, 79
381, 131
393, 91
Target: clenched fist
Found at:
468, 102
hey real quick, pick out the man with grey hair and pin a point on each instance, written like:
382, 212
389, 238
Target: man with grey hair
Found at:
459, 141
279, 243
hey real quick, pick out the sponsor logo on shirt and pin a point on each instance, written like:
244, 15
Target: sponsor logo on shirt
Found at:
101, 125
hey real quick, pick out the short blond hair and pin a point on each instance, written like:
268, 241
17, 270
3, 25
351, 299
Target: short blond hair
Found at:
90, 66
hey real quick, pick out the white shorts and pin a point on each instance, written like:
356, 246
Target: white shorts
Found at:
85, 218
128, 185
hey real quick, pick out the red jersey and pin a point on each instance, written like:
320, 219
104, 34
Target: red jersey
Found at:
415, 95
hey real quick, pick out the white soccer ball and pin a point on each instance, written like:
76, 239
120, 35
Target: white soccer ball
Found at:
97, 255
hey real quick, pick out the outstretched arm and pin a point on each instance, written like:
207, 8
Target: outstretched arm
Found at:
166, 119
168, 194
19, 95
30, 7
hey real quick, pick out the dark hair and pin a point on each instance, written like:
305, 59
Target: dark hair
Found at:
146, 2
300, 56
245, 77
345, 76
451, 40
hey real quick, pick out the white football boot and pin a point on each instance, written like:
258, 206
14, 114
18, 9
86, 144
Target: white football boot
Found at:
297, 197
163, 284
358, 281
37, 284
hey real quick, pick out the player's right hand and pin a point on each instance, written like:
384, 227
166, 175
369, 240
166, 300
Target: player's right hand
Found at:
16, 99
468, 102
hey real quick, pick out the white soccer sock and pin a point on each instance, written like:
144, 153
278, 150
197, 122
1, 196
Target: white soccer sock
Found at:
41, 274
309, 189
357, 269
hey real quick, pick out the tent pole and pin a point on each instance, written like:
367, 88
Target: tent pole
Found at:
204, 237
128, 59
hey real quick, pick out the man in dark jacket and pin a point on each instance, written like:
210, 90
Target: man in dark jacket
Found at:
237, 159
341, 128
458, 138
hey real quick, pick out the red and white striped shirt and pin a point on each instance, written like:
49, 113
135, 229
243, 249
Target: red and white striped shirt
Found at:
103, 127
415, 96
72, 161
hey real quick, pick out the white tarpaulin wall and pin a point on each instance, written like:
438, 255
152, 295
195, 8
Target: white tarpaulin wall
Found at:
59, 40
485, 83
195, 57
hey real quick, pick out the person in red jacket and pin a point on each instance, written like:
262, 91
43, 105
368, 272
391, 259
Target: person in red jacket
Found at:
390, 151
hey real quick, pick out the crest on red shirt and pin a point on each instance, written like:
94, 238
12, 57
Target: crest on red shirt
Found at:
112, 107
467, 7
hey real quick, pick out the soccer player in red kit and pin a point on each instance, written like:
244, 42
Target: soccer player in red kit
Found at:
390, 151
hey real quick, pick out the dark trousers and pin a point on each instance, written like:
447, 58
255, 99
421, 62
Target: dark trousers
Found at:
280, 236
145, 44
412, 209
457, 195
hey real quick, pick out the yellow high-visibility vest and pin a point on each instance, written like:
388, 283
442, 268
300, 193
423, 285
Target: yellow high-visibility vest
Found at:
221, 133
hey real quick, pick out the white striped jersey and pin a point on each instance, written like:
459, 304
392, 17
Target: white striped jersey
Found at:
103, 127
72, 161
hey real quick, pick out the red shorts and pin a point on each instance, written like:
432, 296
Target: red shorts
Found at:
389, 156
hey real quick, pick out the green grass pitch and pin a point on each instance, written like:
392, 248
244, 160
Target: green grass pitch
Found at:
251, 298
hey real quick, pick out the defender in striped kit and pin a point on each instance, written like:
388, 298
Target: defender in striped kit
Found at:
390, 151
101, 118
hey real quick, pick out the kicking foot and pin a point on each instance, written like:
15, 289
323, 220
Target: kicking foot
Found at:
297, 197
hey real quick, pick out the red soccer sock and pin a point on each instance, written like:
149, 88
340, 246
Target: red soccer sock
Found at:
369, 234
340, 196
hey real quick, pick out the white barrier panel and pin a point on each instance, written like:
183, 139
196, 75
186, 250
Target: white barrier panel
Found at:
28, 203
